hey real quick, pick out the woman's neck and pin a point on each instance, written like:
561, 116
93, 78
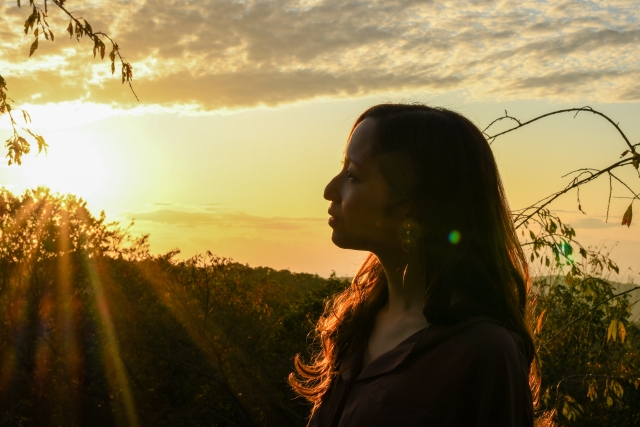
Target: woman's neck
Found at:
406, 283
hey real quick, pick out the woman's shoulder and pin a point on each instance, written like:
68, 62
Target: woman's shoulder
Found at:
480, 343
489, 338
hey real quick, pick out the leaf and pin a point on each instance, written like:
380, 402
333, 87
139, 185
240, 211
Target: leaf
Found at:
79, 31
70, 29
626, 218
35, 33
622, 332
533, 236
612, 331
102, 49
636, 160
51, 34
26, 25
624, 153
34, 46
592, 393
87, 27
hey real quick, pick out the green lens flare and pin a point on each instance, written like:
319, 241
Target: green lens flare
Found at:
454, 237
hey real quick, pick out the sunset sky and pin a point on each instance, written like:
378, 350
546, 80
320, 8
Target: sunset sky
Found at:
245, 107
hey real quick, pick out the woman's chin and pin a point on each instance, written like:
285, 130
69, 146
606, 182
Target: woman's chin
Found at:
339, 240
343, 242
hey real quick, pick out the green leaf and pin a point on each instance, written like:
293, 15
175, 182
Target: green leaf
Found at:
626, 218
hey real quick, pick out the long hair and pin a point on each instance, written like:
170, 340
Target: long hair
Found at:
441, 161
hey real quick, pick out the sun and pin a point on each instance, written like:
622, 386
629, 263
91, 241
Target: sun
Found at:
72, 165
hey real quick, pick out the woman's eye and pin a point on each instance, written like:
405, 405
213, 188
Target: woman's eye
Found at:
349, 174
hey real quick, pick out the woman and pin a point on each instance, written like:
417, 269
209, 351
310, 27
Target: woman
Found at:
432, 330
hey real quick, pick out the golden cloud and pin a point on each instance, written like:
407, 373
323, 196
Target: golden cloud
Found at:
232, 53
223, 219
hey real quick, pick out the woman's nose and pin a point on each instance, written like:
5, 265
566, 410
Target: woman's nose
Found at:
331, 192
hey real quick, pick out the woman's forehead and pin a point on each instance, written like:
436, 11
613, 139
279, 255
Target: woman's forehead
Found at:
360, 144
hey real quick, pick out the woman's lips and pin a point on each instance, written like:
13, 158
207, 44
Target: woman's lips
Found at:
332, 218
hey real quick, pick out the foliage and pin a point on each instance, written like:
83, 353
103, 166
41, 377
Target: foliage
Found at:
589, 350
588, 347
17, 145
96, 331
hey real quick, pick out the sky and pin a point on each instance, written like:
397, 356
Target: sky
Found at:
245, 107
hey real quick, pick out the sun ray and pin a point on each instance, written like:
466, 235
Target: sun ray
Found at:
110, 348
65, 308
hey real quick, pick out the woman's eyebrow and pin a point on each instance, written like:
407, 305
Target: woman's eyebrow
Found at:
350, 160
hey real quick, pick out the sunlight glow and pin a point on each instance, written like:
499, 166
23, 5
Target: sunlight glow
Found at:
74, 166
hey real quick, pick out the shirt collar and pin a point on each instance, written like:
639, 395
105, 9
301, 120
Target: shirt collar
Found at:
462, 316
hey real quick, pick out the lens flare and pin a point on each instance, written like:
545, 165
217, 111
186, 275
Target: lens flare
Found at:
454, 237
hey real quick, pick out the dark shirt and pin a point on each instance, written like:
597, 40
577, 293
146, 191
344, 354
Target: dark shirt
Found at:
469, 373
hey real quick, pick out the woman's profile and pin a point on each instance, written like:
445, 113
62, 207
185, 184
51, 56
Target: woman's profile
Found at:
432, 330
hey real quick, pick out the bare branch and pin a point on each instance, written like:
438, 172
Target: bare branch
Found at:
588, 109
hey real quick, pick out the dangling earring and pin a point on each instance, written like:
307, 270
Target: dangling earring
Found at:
409, 241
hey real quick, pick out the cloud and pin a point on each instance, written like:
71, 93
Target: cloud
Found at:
223, 219
242, 53
592, 223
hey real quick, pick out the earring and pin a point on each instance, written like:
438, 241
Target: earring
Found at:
409, 242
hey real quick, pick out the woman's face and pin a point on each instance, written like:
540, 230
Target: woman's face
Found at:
362, 216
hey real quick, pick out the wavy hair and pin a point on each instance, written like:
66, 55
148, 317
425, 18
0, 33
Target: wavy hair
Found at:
442, 162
